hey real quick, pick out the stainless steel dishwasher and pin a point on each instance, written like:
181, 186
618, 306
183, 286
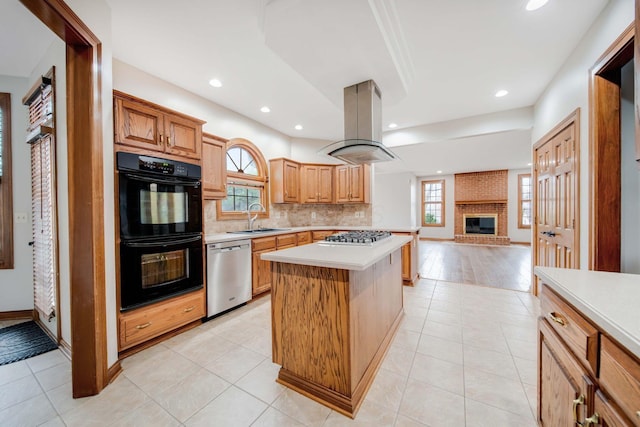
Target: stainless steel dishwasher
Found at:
228, 275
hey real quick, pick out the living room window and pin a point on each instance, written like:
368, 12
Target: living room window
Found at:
524, 200
6, 202
433, 203
246, 181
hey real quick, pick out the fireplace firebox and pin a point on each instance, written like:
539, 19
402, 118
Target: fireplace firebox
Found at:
486, 224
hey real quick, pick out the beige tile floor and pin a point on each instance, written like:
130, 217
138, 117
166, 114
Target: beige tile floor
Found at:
464, 355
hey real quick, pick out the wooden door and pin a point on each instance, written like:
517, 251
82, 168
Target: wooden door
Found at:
555, 232
564, 389
291, 182
214, 168
342, 183
183, 137
138, 125
325, 184
309, 184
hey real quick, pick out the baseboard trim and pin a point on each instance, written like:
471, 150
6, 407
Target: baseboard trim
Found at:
65, 348
17, 314
113, 372
521, 243
436, 239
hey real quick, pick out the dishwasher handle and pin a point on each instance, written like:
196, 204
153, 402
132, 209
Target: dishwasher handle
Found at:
233, 248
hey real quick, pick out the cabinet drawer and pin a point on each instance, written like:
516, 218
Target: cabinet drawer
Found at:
579, 335
149, 322
608, 414
287, 240
304, 238
620, 378
321, 234
263, 243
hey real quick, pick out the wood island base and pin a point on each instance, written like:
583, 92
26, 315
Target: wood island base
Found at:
332, 327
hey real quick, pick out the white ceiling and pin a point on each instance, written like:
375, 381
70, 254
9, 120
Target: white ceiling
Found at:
434, 61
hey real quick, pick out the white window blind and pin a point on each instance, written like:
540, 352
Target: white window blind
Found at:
44, 273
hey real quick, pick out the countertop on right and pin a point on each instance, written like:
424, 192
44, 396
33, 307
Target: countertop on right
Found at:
610, 300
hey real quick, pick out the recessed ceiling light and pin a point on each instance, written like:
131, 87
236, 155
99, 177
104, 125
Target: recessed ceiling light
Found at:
501, 93
438, 171
393, 125
215, 83
529, 164
535, 4
298, 127
265, 109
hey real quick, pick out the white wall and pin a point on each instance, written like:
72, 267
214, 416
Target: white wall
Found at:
517, 235
630, 226
16, 288
220, 121
56, 56
569, 90
446, 232
394, 200
306, 150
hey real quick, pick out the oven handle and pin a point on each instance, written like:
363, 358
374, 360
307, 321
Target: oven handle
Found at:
164, 180
162, 243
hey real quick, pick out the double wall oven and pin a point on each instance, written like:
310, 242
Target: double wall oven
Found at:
160, 228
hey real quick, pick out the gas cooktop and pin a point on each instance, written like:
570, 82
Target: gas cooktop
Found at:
363, 238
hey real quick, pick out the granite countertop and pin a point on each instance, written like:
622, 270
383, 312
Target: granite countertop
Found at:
609, 300
347, 257
225, 237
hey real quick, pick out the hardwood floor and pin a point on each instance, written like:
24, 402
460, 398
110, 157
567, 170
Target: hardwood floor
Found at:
507, 267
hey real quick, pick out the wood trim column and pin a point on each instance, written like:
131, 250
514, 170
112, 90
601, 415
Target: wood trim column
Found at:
86, 194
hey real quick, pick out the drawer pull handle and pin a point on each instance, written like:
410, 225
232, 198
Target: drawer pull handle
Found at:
594, 419
144, 325
576, 402
559, 320
188, 309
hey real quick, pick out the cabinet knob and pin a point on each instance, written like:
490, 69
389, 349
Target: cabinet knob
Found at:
168, 141
161, 139
188, 309
594, 419
559, 320
144, 325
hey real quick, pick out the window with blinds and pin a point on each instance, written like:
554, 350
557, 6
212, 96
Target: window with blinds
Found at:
6, 202
41, 137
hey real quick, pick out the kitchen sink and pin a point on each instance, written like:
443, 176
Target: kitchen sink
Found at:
259, 230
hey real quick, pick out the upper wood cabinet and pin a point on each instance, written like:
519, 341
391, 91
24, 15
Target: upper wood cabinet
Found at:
149, 127
214, 167
316, 182
285, 181
353, 183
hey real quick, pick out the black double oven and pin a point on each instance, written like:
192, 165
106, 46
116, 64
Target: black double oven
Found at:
160, 204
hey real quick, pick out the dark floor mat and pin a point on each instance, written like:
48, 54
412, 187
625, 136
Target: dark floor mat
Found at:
22, 341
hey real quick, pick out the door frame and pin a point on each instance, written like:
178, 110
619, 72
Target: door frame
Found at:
86, 195
604, 153
571, 119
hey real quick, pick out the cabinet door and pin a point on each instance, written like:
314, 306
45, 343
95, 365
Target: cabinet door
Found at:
606, 414
342, 184
138, 125
183, 137
261, 271
309, 192
356, 184
325, 184
291, 182
406, 262
214, 168
565, 389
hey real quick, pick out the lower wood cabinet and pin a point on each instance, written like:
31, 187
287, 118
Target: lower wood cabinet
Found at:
143, 324
303, 238
410, 259
321, 234
260, 269
584, 377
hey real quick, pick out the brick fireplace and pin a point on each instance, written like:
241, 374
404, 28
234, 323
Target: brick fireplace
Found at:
482, 194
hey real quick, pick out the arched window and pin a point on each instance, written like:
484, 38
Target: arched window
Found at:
246, 181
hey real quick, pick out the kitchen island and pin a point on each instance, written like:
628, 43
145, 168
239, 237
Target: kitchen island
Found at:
335, 310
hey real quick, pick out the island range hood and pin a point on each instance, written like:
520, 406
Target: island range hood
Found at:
362, 127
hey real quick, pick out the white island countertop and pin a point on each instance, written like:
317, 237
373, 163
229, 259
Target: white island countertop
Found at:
346, 257
610, 300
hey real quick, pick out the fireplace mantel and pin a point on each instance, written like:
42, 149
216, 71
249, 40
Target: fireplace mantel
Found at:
479, 202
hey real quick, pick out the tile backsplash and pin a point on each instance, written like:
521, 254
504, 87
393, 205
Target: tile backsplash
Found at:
293, 215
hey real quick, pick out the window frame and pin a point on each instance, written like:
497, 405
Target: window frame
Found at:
441, 202
521, 200
6, 192
261, 181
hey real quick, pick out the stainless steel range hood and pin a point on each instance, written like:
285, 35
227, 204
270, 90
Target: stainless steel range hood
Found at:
362, 127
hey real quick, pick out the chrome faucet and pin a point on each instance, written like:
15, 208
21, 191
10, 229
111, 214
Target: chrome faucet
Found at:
249, 218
